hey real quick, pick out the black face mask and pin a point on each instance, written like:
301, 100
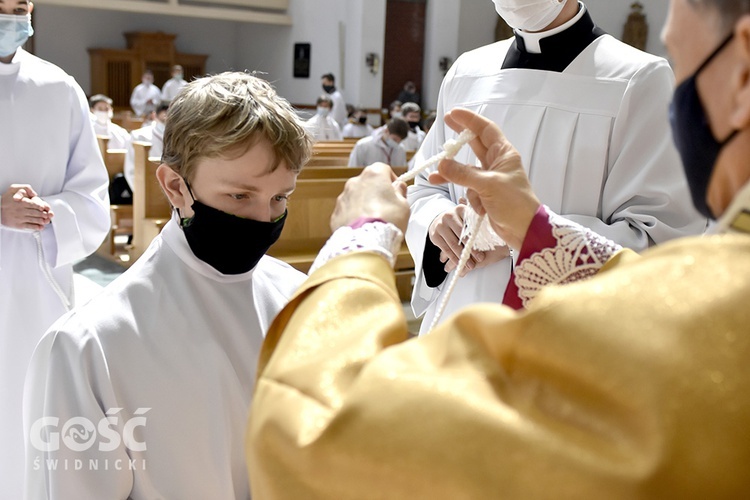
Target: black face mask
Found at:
413, 125
228, 243
362, 120
693, 137
330, 89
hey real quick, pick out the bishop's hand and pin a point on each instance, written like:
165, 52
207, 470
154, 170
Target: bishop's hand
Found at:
500, 188
374, 193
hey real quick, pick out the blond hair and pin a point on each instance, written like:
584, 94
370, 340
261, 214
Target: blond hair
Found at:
224, 115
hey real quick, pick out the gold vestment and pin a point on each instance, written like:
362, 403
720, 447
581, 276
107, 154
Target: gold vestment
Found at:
633, 384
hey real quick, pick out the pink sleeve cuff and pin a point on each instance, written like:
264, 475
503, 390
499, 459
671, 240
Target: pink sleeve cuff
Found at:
538, 237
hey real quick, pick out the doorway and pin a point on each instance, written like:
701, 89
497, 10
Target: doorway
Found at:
404, 47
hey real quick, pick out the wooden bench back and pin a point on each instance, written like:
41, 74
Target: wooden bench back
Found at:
327, 161
335, 172
308, 224
151, 208
114, 159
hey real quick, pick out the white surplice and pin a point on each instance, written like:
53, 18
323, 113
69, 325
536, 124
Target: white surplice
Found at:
174, 342
323, 128
594, 140
142, 97
46, 141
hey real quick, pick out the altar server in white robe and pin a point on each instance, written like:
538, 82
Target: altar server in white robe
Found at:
146, 96
101, 114
54, 211
588, 115
143, 392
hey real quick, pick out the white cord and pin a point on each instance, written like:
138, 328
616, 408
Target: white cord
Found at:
450, 149
462, 261
48, 273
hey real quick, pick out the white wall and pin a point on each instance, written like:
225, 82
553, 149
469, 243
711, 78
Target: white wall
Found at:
64, 34
611, 17
320, 23
452, 26
441, 40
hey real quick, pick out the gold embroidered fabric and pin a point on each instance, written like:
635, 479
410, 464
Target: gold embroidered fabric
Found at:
633, 384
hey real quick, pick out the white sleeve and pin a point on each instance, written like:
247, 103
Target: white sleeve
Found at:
645, 199
427, 201
67, 454
81, 209
353, 156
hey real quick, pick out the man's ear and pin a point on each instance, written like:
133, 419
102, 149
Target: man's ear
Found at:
31, 7
740, 117
173, 186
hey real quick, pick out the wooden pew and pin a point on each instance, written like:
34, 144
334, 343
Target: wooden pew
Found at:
114, 159
335, 152
327, 161
127, 120
121, 215
151, 209
334, 172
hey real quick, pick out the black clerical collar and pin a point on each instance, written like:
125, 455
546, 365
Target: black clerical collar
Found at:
557, 50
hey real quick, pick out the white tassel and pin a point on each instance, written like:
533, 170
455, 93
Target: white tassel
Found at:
486, 238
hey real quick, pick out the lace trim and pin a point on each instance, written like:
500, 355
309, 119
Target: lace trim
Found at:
579, 254
378, 237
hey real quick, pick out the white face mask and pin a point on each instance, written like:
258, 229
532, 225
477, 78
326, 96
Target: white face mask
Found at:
529, 15
322, 111
102, 117
159, 128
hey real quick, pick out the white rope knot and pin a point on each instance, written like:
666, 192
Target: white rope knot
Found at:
450, 150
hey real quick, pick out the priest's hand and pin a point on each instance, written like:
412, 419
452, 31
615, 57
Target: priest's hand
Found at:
22, 208
374, 193
445, 232
500, 188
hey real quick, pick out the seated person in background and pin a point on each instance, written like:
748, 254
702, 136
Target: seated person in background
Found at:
146, 96
357, 126
394, 111
152, 133
409, 93
167, 353
633, 384
385, 147
101, 116
173, 85
322, 126
413, 115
